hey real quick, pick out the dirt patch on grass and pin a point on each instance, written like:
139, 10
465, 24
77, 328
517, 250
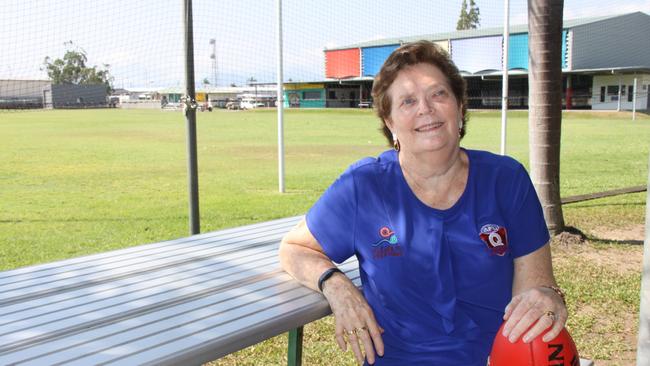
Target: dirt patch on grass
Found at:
630, 233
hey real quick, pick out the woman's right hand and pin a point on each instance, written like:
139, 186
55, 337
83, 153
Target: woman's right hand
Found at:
304, 259
354, 319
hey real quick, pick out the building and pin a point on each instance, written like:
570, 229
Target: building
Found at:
601, 58
22, 94
217, 97
75, 96
25, 94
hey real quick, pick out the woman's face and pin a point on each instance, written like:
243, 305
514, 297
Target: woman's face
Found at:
424, 112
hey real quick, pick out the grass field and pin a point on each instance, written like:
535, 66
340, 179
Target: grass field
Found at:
85, 181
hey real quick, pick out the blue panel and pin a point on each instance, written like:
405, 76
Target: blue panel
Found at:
477, 54
374, 57
518, 52
564, 49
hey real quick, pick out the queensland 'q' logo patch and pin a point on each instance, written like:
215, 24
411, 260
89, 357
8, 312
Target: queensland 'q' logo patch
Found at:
495, 237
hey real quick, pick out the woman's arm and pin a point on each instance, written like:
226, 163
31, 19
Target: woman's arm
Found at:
304, 259
535, 306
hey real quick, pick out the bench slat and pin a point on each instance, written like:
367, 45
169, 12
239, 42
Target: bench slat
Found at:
90, 308
101, 262
66, 265
138, 281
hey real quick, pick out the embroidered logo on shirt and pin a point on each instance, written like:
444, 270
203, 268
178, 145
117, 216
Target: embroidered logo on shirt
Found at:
388, 245
496, 238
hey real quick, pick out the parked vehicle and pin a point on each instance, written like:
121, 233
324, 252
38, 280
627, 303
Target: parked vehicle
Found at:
250, 103
233, 105
205, 107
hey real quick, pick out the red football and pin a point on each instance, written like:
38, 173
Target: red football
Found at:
561, 351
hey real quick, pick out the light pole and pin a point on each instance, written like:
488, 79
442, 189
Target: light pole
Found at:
252, 80
213, 57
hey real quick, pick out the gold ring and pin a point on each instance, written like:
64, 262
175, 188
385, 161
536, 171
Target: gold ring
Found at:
361, 329
350, 332
551, 315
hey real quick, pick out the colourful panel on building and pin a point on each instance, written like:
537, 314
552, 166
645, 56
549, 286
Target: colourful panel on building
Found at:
564, 57
341, 64
304, 98
518, 51
374, 57
477, 54
303, 86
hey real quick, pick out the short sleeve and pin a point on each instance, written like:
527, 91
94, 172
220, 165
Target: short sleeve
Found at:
527, 230
332, 218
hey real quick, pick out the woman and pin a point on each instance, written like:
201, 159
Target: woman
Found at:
450, 241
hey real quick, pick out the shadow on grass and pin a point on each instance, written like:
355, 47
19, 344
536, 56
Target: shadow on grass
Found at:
574, 236
107, 219
596, 240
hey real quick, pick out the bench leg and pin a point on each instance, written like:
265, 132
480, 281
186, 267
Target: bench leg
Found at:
295, 347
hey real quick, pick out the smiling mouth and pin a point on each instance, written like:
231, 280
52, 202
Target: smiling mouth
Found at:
429, 127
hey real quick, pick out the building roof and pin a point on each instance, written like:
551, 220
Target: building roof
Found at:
472, 33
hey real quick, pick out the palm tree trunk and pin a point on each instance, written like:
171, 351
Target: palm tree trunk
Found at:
545, 105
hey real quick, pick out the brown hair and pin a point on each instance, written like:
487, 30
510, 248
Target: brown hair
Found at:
407, 55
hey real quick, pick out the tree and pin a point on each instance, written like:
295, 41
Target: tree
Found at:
72, 69
206, 82
468, 19
474, 15
463, 19
545, 105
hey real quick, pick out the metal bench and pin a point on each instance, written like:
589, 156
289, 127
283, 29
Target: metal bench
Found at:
178, 302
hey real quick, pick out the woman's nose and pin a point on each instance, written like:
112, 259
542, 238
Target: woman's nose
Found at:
425, 107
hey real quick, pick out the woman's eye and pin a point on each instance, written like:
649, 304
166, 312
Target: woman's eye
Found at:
440, 93
408, 101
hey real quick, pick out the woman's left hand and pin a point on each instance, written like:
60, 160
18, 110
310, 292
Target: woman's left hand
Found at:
532, 312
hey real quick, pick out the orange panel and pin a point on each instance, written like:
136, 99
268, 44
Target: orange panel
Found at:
340, 64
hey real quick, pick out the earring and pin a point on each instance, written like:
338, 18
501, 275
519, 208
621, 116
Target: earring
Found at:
460, 127
396, 144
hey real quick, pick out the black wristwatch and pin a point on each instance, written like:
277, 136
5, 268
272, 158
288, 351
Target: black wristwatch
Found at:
325, 276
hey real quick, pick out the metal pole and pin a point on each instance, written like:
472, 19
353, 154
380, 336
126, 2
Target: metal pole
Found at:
295, 347
634, 100
190, 118
504, 85
280, 103
643, 346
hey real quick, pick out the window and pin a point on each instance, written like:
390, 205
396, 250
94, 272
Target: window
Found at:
311, 95
332, 94
630, 92
612, 90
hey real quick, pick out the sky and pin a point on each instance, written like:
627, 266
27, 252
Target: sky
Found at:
143, 41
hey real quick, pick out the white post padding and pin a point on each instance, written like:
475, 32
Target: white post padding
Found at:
643, 347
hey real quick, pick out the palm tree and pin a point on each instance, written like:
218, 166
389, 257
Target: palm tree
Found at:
545, 105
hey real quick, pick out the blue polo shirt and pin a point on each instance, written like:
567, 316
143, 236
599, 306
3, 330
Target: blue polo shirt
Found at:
438, 281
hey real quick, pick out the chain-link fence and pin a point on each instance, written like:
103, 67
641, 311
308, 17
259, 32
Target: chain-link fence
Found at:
76, 54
